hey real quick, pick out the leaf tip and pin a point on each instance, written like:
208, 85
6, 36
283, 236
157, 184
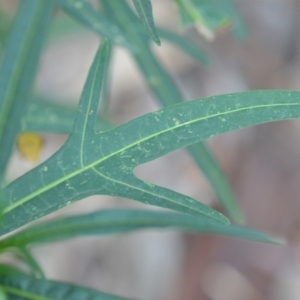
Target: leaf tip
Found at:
157, 40
217, 216
277, 241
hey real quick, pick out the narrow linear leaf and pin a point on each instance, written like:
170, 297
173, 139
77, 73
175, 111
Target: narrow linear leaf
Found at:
26, 287
25, 256
167, 93
83, 11
2, 203
187, 16
18, 68
104, 97
215, 174
5, 22
47, 116
21, 255
3, 295
119, 221
92, 163
144, 10
186, 45
64, 25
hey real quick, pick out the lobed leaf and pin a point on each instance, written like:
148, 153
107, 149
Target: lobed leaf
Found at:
144, 10
84, 12
26, 287
119, 221
47, 116
92, 163
103, 163
167, 94
18, 68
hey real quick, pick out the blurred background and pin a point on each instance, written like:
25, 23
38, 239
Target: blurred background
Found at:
262, 163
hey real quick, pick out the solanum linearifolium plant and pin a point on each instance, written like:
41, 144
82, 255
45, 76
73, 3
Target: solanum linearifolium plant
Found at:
98, 159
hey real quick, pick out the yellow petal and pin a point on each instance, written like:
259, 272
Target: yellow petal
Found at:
30, 146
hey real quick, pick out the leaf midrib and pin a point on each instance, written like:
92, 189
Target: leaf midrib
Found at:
95, 78
143, 13
97, 162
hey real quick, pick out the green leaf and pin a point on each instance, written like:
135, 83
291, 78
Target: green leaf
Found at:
21, 255
25, 287
92, 163
204, 12
187, 13
10, 270
144, 10
103, 164
64, 25
3, 295
167, 94
25, 256
18, 70
2, 203
104, 97
217, 179
83, 11
5, 22
186, 45
119, 221
47, 116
